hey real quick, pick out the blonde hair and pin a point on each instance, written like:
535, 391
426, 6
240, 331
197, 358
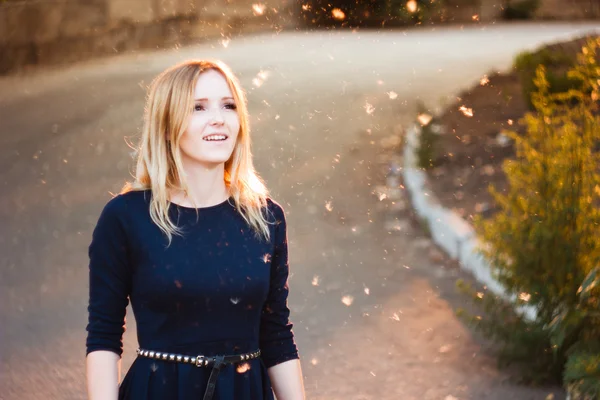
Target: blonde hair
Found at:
159, 164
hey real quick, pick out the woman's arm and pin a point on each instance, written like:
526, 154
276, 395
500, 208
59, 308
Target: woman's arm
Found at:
279, 351
109, 289
286, 379
103, 370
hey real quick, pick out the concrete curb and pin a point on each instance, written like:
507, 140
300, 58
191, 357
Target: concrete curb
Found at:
448, 230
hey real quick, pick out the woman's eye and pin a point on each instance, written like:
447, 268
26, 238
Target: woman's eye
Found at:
229, 106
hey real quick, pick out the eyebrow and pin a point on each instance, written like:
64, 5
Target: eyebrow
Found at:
224, 98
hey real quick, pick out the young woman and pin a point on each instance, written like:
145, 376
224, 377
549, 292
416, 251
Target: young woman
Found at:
200, 249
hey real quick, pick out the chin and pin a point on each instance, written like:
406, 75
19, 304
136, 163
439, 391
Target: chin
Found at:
213, 160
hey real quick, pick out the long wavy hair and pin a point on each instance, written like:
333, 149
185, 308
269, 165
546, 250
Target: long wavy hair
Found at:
159, 164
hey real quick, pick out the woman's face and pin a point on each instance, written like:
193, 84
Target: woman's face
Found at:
213, 124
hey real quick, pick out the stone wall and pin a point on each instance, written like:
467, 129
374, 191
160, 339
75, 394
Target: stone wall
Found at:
44, 32
463, 11
569, 9
491, 10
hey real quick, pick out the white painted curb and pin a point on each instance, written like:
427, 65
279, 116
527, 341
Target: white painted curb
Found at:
448, 230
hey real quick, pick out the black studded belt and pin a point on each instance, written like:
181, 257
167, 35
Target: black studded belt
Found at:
216, 362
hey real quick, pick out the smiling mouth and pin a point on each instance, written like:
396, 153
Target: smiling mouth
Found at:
215, 138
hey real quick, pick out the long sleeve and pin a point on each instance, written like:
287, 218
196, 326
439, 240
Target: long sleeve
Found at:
276, 336
109, 280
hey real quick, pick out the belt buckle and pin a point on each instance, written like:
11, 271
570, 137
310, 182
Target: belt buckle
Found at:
200, 361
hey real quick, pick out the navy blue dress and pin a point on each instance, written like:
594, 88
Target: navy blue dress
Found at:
218, 290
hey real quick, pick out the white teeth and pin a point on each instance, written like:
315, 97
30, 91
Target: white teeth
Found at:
215, 137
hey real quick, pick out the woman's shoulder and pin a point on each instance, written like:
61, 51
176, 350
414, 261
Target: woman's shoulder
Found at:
274, 205
136, 197
121, 204
275, 209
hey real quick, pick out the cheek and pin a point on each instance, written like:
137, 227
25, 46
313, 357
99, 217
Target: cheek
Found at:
233, 121
195, 124
192, 137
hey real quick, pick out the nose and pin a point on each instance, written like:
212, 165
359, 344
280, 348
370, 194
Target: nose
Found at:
216, 117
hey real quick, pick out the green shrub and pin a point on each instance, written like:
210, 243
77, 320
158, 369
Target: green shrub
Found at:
527, 60
557, 64
545, 240
581, 322
524, 9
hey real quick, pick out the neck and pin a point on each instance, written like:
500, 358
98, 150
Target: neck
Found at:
206, 186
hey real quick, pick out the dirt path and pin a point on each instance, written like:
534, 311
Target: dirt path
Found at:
376, 320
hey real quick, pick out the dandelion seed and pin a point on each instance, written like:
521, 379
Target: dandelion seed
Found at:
488, 170
510, 122
424, 119
382, 196
369, 108
484, 80
234, 300
225, 42
258, 9
348, 300
475, 17
445, 348
480, 295
502, 139
266, 258
338, 14
241, 368
305, 7
315, 280
524, 296
468, 112
260, 78
263, 74
395, 317
277, 117
314, 361
367, 291
328, 206
393, 95
411, 6
373, 373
